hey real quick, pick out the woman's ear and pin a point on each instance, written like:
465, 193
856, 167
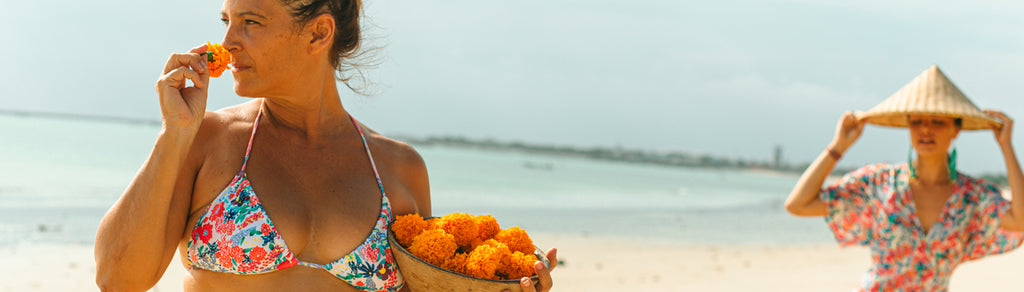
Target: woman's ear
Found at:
321, 31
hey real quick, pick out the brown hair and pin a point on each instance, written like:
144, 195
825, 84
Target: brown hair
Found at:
345, 54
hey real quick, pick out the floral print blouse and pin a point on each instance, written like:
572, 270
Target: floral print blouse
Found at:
873, 207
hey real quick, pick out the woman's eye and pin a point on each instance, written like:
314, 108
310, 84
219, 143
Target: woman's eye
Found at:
915, 122
251, 22
224, 20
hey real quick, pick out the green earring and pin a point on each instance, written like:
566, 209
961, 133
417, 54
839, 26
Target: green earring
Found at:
910, 163
952, 166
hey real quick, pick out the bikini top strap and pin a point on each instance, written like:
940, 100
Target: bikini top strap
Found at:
368, 154
251, 136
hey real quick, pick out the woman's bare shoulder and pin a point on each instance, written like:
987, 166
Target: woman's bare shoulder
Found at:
406, 165
224, 122
219, 130
397, 151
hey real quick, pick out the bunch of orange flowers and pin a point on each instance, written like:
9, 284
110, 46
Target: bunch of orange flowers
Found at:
470, 245
217, 58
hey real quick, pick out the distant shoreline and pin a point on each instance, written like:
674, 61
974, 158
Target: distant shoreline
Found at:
79, 117
639, 156
616, 154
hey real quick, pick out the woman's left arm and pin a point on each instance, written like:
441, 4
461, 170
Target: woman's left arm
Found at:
1014, 218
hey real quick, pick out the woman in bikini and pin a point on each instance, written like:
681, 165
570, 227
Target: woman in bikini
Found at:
286, 192
921, 218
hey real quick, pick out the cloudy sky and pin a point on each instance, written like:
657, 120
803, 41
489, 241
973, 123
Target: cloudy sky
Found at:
729, 78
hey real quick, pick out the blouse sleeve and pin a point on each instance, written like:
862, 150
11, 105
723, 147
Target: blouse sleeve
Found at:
986, 237
850, 206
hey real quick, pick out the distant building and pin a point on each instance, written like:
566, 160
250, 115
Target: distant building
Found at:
778, 157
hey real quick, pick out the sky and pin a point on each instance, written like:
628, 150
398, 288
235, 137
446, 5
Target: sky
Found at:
730, 78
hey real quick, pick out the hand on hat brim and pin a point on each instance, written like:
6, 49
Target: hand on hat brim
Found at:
1003, 132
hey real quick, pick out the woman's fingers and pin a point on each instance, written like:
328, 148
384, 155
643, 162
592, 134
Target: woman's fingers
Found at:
543, 273
176, 78
850, 125
544, 276
848, 130
850, 121
850, 117
993, 113
552, 256
198, 50
195, 61
999, 115
845, 119
527, 285
1006, 120
854, 122
183, 106
1003, 132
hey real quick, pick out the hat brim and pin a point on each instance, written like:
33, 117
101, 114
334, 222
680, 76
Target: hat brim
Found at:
899, 119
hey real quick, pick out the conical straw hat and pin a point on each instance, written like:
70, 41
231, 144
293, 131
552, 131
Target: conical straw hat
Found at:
931, 93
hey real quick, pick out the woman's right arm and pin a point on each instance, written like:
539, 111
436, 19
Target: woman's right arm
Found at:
137, 237
804, 200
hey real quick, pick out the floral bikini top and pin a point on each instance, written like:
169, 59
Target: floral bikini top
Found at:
235, 235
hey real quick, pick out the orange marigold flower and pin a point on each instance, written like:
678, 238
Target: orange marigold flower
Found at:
407, 227
516, 239
486, 226
432, 223
433, 246
472, 245
461, 226
457, 263
467, 244
503, 250
483, 262
521, 265
217, 59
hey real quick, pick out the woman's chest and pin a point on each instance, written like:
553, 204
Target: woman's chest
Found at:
321, 210
929, 204
924, 219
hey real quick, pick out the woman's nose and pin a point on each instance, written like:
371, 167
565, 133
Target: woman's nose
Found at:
928, 129
230, 40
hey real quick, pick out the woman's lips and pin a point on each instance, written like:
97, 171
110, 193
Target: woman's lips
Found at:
238, 68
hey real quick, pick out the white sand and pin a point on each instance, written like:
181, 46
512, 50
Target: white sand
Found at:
625, 265
591, 264
62, 268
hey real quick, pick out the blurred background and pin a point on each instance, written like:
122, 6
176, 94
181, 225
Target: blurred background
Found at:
685, 122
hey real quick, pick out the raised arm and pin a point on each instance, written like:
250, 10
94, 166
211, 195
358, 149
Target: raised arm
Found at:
136, 238
804, 200
1014, 218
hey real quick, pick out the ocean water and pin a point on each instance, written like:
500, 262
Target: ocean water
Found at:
58, 177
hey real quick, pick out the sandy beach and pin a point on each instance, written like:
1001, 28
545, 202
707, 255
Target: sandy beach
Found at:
591, 264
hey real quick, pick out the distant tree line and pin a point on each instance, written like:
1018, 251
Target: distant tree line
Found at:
619, 154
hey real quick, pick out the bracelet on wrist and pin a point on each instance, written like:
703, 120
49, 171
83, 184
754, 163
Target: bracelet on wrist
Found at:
835, 154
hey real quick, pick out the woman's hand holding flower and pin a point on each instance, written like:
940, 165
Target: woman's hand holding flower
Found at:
182, 107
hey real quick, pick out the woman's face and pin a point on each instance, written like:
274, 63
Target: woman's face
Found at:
269, 57
931, 134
